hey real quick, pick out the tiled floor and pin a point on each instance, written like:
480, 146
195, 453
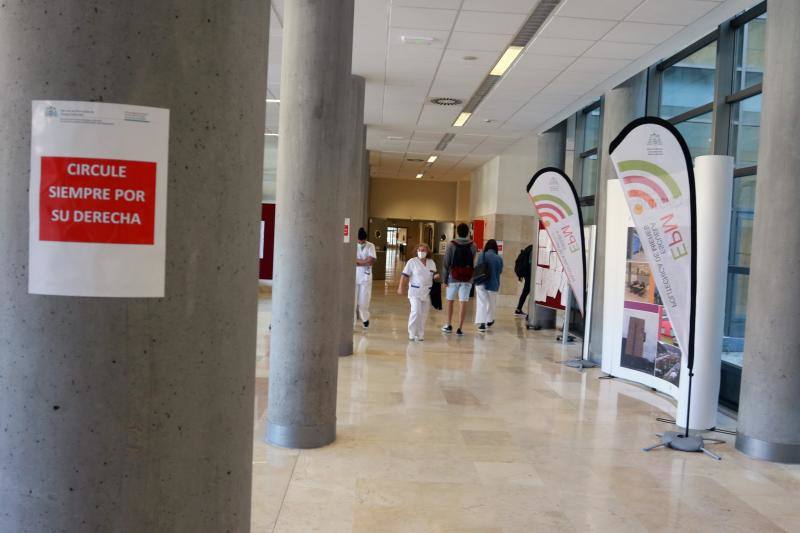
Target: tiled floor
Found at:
493, 434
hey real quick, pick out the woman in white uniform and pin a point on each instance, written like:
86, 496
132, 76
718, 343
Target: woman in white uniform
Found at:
419, 272
365, 258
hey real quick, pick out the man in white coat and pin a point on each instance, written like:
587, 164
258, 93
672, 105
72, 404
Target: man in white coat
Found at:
365, 258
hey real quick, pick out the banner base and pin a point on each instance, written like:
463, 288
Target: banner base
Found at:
682, 443
580, 363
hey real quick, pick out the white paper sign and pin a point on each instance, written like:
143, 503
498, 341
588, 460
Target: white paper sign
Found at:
98, 199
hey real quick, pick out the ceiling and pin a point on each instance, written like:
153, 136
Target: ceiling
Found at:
584, 48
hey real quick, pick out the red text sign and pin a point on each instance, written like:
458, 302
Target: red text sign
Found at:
97, 200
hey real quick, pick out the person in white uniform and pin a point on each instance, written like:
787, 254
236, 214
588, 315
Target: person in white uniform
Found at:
419, 273
365, 258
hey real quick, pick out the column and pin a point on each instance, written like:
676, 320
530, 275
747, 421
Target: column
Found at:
352, 204
620, 106
551, 153
769, 419
123, 414
304, 354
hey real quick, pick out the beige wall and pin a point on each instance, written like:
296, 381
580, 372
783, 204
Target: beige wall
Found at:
463, 202
413, 199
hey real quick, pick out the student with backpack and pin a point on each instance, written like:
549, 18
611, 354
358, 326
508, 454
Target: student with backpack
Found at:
522, 268
487, 284
459, 266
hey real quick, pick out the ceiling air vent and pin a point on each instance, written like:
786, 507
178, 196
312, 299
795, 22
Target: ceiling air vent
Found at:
446, 101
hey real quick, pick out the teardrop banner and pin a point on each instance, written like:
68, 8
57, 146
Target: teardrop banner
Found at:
655, 169
556, 203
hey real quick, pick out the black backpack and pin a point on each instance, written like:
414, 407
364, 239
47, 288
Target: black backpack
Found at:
522, 266
461, 268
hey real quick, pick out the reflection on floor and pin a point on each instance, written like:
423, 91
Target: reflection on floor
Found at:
492, 434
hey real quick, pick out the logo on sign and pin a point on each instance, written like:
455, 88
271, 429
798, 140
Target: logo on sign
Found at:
551, 208
50, 111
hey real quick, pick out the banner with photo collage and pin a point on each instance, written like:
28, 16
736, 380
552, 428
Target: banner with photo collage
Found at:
655, 171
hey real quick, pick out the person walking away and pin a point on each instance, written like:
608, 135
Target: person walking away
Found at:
419, 273
365, 258
459, 265
522, 268
486, 292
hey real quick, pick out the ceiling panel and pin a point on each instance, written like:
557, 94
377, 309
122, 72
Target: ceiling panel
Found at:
577, 28
422, 18
444, 4
681, 12
637, 32
559, 47
491, 42
599, 9
488, 22
505, 6
532, 60
596, 64
611, 50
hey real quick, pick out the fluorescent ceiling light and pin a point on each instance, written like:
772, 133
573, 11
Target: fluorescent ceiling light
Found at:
506, 60
270, 135
273, 101
433, 158
416, 39
419, 176
462, 119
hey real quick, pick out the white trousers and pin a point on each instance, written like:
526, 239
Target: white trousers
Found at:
418, 316
486, 305
363, 297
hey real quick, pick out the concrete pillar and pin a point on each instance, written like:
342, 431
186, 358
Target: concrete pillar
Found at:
620, 106
304, 351
351, 204
123, 414
769, 419
551, 153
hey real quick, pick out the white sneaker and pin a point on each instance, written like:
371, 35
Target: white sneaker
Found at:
412, 338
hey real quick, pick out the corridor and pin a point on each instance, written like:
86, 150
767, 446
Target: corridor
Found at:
491, 433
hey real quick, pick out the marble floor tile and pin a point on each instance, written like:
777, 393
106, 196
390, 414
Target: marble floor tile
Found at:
492, 434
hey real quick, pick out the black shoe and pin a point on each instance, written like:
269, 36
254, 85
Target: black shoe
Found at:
366, 324
482, 328
519, 313
459, 332
490, 324
448, 328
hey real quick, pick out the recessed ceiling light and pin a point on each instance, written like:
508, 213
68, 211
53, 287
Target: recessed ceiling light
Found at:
462, 119
395, 138
469, 58
419, 176
506, 60
433, 158
273, 101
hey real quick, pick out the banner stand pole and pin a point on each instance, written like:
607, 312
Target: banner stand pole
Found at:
580, 363
565, 338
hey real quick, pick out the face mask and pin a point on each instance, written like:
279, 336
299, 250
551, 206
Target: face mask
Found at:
422, 255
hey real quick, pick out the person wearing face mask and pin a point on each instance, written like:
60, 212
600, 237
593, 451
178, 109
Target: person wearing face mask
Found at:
365, 258
419, 273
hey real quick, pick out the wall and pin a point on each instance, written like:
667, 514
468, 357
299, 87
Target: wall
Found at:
483, 189
463, 201
412, 199
517, 166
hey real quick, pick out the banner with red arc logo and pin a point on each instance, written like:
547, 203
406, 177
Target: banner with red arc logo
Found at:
654, 166
556, 203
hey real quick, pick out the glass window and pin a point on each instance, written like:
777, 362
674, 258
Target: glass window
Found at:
697, 132
745, 118
589, 173
591, 129
750, 46
689, 83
